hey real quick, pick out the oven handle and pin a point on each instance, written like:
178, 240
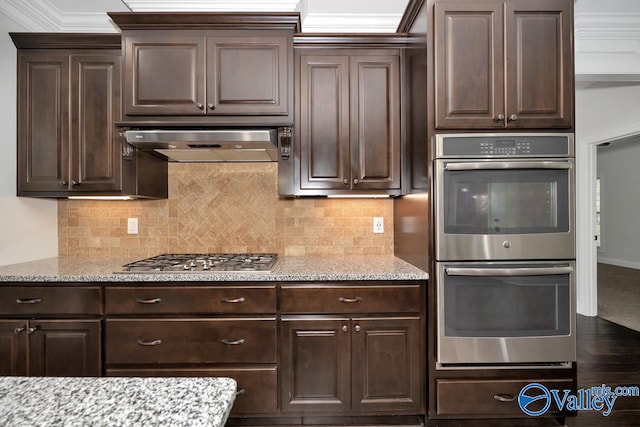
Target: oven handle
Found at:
507, 165
522, 271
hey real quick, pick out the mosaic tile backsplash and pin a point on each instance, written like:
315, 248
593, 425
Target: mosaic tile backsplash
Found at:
224, 207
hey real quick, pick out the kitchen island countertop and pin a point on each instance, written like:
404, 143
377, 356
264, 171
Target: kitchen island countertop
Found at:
115, 401
288, 268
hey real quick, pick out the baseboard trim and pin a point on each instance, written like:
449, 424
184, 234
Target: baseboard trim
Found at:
619, 263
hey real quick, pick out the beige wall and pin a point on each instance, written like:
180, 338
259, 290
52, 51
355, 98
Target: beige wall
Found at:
225, 208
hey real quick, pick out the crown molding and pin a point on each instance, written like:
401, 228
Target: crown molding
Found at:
611, 26
212, 5
36, 15
42, 16
607, 46
350, 23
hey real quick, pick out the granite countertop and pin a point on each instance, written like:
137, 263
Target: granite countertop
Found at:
74, 269
115, 401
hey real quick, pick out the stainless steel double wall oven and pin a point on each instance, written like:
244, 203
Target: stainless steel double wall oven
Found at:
505, 248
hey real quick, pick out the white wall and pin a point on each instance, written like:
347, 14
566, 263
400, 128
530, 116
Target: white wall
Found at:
605, 111
620, 203
28, 227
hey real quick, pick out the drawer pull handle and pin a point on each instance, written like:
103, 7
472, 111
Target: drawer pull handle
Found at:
149, 343
28, 300
240, 392
148, 301
350, 300
33, 329
233, 300
504, 397
230, 342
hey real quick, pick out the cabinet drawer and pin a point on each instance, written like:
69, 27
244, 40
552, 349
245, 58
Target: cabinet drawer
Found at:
45, 300
350, 299
191, 300
257, 386
489, 397
190, 341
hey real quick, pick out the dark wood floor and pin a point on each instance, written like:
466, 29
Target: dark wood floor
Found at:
608, 354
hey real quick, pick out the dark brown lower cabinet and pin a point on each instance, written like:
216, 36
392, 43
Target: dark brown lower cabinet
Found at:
356, 365
50, 347
490, 397
257, 385
242, 348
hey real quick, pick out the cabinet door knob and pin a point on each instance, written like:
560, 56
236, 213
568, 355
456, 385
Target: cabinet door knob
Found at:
500, 118
19, 330
345, 181
513, 117
200, 106
74, 182
63, 183
357, 328
356, 181
211, 106
32, 329
345, 328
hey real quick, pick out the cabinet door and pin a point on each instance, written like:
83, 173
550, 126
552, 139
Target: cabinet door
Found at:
248, 74
375, 122
164, 74
13, 347
43, 112
540, 66
387, 371
96, 156
315, 365
324, 122
64, 348
469, 65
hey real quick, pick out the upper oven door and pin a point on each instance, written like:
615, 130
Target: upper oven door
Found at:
504, 209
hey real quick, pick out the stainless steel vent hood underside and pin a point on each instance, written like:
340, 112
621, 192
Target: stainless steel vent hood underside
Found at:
208, 145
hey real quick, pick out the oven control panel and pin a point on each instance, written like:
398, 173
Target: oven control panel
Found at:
503, 145
509, 147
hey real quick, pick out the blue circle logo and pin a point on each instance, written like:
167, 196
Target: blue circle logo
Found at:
530, 395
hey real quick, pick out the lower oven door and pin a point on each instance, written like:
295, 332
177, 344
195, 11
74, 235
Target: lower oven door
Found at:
505, 313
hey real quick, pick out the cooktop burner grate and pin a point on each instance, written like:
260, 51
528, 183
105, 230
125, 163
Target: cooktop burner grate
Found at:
220, 262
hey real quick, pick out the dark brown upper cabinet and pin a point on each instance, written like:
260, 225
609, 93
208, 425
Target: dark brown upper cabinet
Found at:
504, 64
68, 103
207, 68
348, 123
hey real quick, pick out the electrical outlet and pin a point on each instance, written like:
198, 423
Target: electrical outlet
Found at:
378, 224
132, 226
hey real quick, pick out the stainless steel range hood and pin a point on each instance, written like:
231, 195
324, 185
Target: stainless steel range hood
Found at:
208, 145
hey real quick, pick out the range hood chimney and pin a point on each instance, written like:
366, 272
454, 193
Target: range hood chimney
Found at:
207, 145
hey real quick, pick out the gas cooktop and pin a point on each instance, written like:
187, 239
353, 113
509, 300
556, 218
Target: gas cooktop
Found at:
213, 262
